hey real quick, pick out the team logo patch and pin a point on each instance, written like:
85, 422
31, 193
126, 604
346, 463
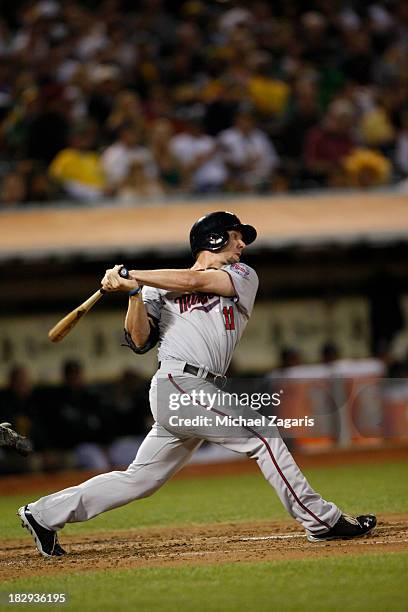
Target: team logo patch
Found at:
215, 239
240, 269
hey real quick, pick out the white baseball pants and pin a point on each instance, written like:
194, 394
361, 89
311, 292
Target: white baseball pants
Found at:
166, 449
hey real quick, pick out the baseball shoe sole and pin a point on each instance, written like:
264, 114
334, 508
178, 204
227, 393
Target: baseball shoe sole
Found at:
347, 528
45, 540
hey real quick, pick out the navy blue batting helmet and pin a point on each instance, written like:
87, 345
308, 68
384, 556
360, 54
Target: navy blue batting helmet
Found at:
210, 233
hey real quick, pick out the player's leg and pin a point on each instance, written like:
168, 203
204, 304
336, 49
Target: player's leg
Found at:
269, 450
322, 519
159, 457
279, 468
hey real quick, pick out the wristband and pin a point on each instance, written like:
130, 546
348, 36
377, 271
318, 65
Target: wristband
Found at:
135, 291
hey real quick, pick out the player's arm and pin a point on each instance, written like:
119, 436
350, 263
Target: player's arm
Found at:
189, 281
137, 322
183, 281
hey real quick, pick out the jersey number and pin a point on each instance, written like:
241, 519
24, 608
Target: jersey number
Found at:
228, 313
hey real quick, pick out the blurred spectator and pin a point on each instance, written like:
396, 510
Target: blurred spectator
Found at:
329, 353
131, 416
401, 153
17, 401
18, 406
106, 85
139, 183
222, 107
13, 189
126, 152
233, 17
78, 169
290, 357
269, 95
303, 113
79, 420
327, 144
5, 96
126, 110
47, 130
129, 396
14, 126
365, 168
249, 155
159, 104
398, 368
39, 186
317, 43
183, 64
376, 129
201, 165
386, 310
169, 168
359, 58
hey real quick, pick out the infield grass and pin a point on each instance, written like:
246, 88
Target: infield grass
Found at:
355, 583
381, 488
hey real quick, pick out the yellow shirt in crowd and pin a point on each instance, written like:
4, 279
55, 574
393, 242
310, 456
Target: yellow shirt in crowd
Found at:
83, 167
270, 96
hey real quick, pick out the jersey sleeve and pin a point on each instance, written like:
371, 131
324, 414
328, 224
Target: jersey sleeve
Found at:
245, 282
152, 301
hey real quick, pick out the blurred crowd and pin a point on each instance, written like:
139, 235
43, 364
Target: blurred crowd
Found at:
135, 101
74, 423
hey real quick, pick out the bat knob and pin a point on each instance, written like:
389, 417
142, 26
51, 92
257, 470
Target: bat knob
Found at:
124, 272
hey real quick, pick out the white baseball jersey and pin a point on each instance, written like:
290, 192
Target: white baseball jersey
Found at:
203, 329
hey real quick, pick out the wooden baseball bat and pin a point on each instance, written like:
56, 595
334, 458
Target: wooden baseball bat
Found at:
64, 326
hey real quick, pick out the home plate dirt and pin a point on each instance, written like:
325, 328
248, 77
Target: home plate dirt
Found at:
197, 544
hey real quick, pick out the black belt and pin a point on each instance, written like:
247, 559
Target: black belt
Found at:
216, 379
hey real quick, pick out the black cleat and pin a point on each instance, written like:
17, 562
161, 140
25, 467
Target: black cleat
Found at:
45, 540
346, 528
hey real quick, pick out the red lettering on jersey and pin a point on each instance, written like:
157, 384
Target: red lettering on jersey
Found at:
228, 313
188, 300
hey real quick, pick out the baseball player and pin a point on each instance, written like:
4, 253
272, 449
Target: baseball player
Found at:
197, 316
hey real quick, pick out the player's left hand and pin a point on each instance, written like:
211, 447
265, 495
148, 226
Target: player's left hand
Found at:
11, 439
112, 281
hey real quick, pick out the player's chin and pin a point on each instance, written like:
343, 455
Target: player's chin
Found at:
231, 258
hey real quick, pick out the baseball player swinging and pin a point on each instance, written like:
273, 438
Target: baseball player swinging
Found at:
197, 316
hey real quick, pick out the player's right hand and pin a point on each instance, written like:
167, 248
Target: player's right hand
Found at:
112, 281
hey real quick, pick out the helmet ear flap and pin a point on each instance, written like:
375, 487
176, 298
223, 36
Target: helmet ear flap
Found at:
213, 241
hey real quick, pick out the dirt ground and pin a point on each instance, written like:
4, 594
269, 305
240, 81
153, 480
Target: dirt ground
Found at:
203, 544
200, 544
